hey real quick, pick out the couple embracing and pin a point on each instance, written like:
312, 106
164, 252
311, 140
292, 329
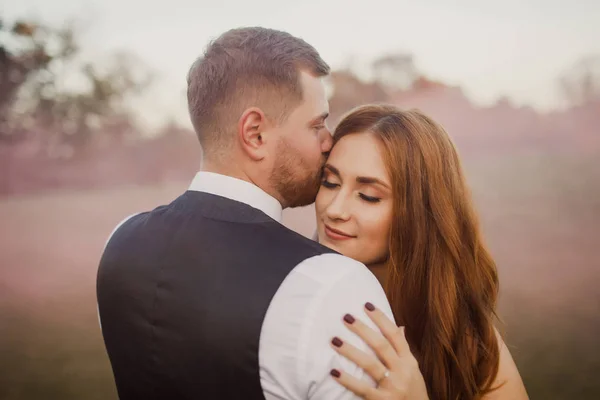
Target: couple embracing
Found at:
211, 297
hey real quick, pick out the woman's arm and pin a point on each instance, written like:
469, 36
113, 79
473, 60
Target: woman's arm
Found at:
509, 382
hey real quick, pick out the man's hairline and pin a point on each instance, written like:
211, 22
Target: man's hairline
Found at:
286, 115
283, 118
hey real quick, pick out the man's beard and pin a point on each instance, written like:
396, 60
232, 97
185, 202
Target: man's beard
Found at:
294, 180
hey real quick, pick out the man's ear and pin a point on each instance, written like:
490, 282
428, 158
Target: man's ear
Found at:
251, 127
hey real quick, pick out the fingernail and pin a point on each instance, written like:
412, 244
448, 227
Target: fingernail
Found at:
335, 373
369, 306
337, 342
349, 318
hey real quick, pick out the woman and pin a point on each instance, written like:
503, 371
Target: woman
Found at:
394, 197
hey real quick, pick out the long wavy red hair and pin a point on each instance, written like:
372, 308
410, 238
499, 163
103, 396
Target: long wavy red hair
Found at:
441, 281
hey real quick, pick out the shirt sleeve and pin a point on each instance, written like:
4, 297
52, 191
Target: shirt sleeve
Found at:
305, 314
347, 295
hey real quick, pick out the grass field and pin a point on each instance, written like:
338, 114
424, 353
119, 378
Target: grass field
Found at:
540, 216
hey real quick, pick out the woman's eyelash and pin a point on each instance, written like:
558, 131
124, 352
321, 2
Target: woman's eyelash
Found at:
369, 198
328, 184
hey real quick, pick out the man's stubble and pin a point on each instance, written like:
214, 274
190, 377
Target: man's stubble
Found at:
296, 181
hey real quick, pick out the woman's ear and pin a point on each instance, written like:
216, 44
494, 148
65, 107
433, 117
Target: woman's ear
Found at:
251, 127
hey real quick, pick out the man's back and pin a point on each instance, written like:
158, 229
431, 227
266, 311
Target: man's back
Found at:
183, 292
211, 297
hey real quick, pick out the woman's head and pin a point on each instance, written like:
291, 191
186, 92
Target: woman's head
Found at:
355, 202
441, 281
374, 180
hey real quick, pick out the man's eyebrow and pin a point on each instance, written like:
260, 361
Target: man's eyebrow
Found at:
320, 118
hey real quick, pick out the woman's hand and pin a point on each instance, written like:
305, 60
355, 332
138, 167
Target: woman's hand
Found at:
395, 369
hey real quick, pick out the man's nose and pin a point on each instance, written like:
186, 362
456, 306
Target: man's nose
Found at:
326, 141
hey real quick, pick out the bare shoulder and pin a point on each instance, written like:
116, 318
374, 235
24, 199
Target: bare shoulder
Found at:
509, 380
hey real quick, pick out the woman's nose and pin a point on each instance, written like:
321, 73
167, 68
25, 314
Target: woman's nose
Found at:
337, 209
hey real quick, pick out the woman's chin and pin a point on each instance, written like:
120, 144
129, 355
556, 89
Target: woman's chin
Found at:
338, 249
327, 243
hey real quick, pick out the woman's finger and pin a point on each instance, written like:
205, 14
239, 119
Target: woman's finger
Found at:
360, 388
376, 341
393, 333
368, 362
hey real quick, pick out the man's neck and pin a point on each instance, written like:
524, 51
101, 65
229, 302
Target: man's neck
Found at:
233, 170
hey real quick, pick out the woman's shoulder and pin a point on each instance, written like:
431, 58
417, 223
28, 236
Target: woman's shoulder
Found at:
508, 380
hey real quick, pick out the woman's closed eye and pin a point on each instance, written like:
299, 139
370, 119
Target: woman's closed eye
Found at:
329, 185
332, 185
370, 199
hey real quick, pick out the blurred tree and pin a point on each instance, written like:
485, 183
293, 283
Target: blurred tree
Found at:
580, 85
48, 94
395, 71
348, 91
26, 53
392, 75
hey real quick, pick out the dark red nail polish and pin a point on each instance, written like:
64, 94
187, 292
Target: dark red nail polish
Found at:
337, 342
335, 373
349, 318
369, 306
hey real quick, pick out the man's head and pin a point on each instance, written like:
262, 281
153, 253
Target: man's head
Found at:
257, 102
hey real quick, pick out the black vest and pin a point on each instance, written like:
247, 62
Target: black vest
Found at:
182, 294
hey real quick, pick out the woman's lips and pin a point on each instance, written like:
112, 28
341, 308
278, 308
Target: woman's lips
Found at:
335, 234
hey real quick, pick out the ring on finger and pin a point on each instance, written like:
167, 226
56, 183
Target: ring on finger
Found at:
386, 374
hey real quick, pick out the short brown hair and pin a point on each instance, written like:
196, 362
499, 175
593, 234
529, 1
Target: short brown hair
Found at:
247, 67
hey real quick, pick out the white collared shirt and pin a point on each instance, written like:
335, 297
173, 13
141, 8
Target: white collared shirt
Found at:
295, 355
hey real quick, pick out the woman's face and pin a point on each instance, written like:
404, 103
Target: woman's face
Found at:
354, 204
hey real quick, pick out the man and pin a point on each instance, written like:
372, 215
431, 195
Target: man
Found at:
210, 297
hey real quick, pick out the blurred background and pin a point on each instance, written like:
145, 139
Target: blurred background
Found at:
93, 127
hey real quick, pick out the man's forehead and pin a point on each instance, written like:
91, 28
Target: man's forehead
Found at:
313, 84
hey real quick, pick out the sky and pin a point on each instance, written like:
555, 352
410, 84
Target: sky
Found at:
512, 48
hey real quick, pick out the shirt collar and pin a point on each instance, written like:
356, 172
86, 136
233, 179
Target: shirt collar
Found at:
237, 190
